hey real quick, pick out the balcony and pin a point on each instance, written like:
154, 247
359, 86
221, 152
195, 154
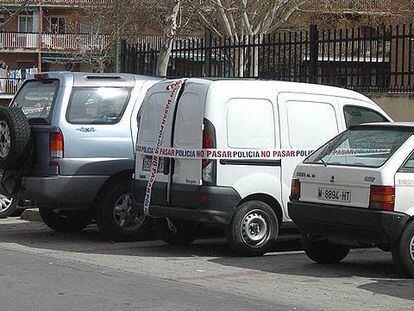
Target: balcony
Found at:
29, 42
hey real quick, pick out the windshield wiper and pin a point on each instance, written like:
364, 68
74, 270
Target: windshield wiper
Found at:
323, 161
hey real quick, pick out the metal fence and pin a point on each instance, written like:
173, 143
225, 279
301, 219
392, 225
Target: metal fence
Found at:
369, 59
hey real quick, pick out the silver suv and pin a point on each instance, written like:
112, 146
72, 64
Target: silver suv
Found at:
67, 143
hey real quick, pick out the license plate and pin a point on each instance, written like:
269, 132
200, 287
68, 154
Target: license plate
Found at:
147, 164
336, 195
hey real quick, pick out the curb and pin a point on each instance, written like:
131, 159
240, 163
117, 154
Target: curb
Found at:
31, 214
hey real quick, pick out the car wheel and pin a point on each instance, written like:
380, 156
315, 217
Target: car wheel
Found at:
253, 230
403, 251
177, 232
7, 206
116, 217
15, 138
323, 251
65, 221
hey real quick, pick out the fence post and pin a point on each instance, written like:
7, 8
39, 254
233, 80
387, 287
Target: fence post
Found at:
313, 57
208, 40
123, 55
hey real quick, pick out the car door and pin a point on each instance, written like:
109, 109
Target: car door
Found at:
307, 122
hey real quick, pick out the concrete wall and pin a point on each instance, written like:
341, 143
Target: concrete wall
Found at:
400, 107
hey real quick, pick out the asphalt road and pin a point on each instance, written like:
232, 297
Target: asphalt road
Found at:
43, 270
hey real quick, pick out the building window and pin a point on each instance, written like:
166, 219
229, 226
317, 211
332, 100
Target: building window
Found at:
25, 23
57, 25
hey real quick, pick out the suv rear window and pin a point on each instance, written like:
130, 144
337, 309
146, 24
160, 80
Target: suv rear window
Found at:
101, 105
360, 147
36, 98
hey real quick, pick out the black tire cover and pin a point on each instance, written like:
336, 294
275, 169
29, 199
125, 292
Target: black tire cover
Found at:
15, 138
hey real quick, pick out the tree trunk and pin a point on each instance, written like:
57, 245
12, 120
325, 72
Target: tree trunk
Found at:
169, 35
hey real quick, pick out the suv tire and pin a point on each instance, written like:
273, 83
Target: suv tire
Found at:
65, 221
177, 232
7, 206
15, 138
253, 230
323, 251
403, 251
116, 217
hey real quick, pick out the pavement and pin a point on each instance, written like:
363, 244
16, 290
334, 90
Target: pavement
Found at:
45, 270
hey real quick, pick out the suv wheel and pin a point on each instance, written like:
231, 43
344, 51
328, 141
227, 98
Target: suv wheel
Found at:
177, 232
7, 206
116, 217
403, 251
15, 138
65, 221
323, 251
253, 230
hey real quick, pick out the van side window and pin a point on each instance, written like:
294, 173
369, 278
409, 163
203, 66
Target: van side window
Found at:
310, 124
250, 124
355, 115
408, 166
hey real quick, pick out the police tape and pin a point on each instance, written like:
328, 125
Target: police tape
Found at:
174, 89
226, 154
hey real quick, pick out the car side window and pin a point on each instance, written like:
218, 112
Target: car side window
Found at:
408, 166
355, 115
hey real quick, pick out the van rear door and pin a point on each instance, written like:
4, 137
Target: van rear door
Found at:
307, 121
188, 134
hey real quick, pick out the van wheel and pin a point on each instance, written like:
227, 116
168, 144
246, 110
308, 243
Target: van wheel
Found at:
403, 251
323, 251
116, 217
7, 206
65, 221
253, 230
177, 232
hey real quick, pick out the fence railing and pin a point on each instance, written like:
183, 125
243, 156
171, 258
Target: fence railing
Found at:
52, 2
370, 59
9, 86
15, 40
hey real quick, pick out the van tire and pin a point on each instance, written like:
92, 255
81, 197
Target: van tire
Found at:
114, 208
185, 234
323, 251
403, 251
15, 138
255, 215
65, 221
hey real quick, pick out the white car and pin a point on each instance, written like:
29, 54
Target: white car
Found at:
358, 190
247, 196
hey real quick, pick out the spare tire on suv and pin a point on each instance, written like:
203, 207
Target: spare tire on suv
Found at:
15, 138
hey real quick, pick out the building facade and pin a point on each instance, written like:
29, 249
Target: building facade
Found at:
42, 35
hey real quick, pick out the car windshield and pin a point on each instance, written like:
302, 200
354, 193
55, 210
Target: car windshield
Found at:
101, 105
370, 147
36, 98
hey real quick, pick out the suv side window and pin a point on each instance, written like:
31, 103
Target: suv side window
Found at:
101, 105
355, 115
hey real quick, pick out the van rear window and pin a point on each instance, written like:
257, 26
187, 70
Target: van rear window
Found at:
101, 105
36, 98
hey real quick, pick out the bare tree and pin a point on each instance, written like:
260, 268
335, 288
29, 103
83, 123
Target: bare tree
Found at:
14, 13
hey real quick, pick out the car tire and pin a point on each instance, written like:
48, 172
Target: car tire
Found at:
323, 251
7, 206
403, 251
15, 138
116, 217
177, 232
65, 221
253, 230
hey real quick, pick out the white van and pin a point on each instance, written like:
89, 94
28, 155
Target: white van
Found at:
248, 196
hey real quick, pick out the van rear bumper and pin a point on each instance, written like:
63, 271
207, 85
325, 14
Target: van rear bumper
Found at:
211, 204
348, 223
